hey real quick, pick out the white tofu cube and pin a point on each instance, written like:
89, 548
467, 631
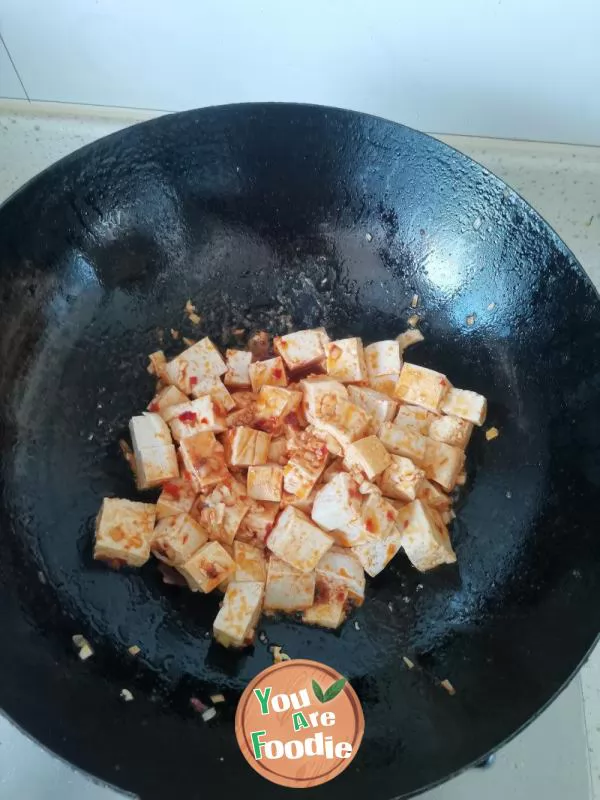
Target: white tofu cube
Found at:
402, 479
200, 361
278, 453
408, 338
368, 455
176, 539
245, 447
267, 373
378, 516
308, 457
302, 349
341, 565
343, 420
149, 430
124, 530
168, 396
258, 522
425, 538
337, 509
238, 365
329, 609
385, 384
155, 465
297, 540
378, 406
404, 440
375, 553
204, 458
451, 430
265, 483
177, 497
215, 388
273, 404
207, 568
222, 511
383, 358
417, 416
320, 392
443, 463
465, 404
250, 562
433, 496
334, 448
239, 614
202, 414
287, 589
420, 386
346, 361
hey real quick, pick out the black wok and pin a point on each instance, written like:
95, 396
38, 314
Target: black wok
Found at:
284, 216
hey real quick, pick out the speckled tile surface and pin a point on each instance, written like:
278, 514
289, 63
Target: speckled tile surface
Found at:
563, 183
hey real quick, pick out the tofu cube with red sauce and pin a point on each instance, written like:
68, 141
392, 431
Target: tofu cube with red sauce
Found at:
343, 420
201, 414
337, 509
149, 430
443, 463
320, 390
250, 562
423, 387
200, 361
258, 522
155, 456
433, 496
341, 565
167, 397
465, 404
273, 404
222, 511
157, 364
404, 439
204, 458
176, 539
124, 530
425, 538
368, 455
267, 373
307, 459
215, 388
378, 516
385, 384
419, 417
401, 480
278, 453
245, 447
238, 616
346, 361
297, 540
451, 430
383, 358
330, 606
376, 552
302, 349
378, 406
287, 589
238, 365
265, 483
207, 568
177, 497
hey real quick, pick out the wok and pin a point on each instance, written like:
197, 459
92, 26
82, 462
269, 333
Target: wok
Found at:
281, 217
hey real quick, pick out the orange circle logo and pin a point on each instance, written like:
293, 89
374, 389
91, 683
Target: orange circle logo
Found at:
299, 723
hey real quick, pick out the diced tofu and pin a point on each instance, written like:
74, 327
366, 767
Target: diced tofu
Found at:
346, 360
451, 430
420, 386
177, 497
258, 522
332, 444
433, 496
304, 504
443, 463
250, 562
402, 479
155, 465
320, 393
207, 568
264, 483
216, 389
343, 420
124, 531
278, 451
468, 405
379, 406
157, 364
297, 540
149, 430
369, 455
204, 458
408, 338
424, 536
267, 373
239, 614
378, 516
273, 404
238, 364
375, 553
302, 349
385, 384
404, 440
201, 414
176, 539
340, 564
288, 589
419, 417
222, 511
200, 361
308, 457
337, 508
383, 358
245, 447
168, 396
329, 610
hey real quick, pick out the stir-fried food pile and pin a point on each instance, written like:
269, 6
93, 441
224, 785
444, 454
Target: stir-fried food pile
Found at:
288, 474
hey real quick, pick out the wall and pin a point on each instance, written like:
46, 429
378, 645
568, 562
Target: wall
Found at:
514, 68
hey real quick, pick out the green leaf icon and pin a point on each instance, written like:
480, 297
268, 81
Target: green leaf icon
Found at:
334, 690
318, 692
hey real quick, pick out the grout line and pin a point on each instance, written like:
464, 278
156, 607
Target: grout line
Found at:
14, 66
